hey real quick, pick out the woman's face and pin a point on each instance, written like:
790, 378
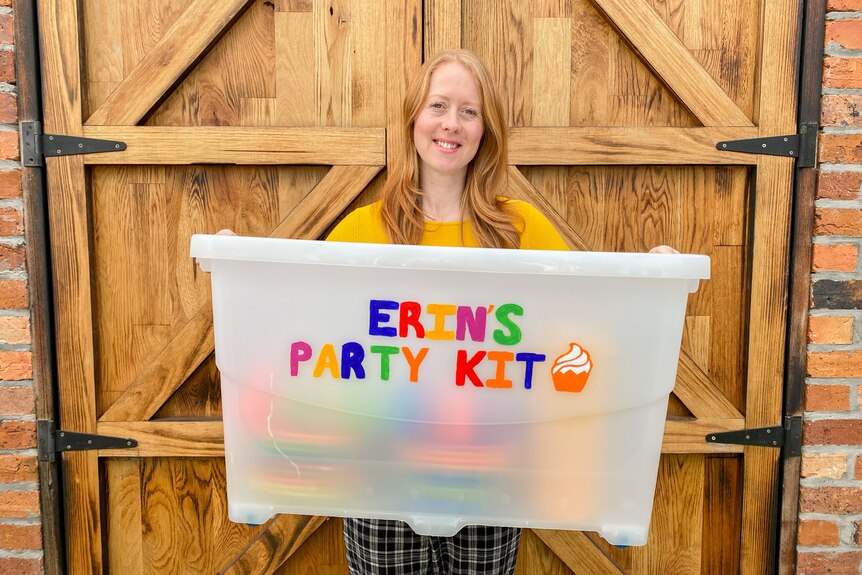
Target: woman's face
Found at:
449, 128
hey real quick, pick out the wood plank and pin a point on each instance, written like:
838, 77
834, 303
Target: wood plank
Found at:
197, 438
722, 508
205, 437
579, 553
125, 548
154, 145
767, 326
625, 146
295, 81
280, 537
323, 553
367, 64
591, 37
536, 557
689, 435
552, 71
332, 25
403, 59
676, 529
194, 341
60, 44
200, 26
442, 26
671, 61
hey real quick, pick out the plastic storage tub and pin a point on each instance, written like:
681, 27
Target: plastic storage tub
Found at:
445, 386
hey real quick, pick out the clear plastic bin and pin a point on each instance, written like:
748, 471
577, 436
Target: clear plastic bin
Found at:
539, 399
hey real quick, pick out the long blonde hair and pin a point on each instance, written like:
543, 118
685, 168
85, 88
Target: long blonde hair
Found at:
401, 207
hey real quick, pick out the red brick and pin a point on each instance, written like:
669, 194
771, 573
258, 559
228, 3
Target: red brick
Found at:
831, 466
845, 33
9, 146
8, 108
844, 5
833, 432
15, 329
11, 221
20, 536
836, 185
830, 329
846, 563
18, 468
7, 66
837, 222
17, 435
858, 472
837, 72
13, 294
831, 500
841, 148
17, 401
836, 295
19, 504
824, 257
841, 110
16, 365
12, 257
818, 533
7, 29
17, 566
835, 363
827, 398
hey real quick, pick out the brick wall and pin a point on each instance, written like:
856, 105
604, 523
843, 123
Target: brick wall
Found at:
20, 529
830, 506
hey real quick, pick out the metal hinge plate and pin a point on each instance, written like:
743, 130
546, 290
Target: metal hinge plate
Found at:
802, 146
35, 145
51, 440
788, 436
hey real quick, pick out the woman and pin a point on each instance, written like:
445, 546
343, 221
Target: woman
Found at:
446, 189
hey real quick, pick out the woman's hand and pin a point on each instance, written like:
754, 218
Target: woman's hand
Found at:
225, 232
663, 250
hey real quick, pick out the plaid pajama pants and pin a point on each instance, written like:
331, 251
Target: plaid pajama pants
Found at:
385, 547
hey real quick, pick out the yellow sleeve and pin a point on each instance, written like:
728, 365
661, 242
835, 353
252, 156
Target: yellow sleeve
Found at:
347, 229
539, 233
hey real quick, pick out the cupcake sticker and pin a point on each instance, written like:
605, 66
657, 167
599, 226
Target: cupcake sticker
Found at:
572, 369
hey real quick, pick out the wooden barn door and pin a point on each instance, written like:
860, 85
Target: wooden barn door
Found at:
270, 117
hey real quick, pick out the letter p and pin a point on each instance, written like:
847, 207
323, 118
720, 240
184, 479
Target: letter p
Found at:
299, 351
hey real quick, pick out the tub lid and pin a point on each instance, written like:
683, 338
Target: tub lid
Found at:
207, 248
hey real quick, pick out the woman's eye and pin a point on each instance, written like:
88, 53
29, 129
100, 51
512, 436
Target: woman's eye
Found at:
470, 112
436, 105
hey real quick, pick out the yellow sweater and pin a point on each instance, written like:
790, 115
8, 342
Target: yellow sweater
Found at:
365, 226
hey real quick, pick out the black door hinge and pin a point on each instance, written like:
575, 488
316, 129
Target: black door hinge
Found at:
35, 145
802, 146
51, 440
788, 436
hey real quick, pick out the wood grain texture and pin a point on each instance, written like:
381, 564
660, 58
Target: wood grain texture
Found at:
403, 34
163, 66
579, 553
322, 553
675, 537
626, 145
534, 556
552, 57
442, 20
777, 104
280, 537
125, 547
689, 435
367, 64
332, 27
184, 517
59, 23
193, 438
673, 63
193, 341
722, 508
154, 145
